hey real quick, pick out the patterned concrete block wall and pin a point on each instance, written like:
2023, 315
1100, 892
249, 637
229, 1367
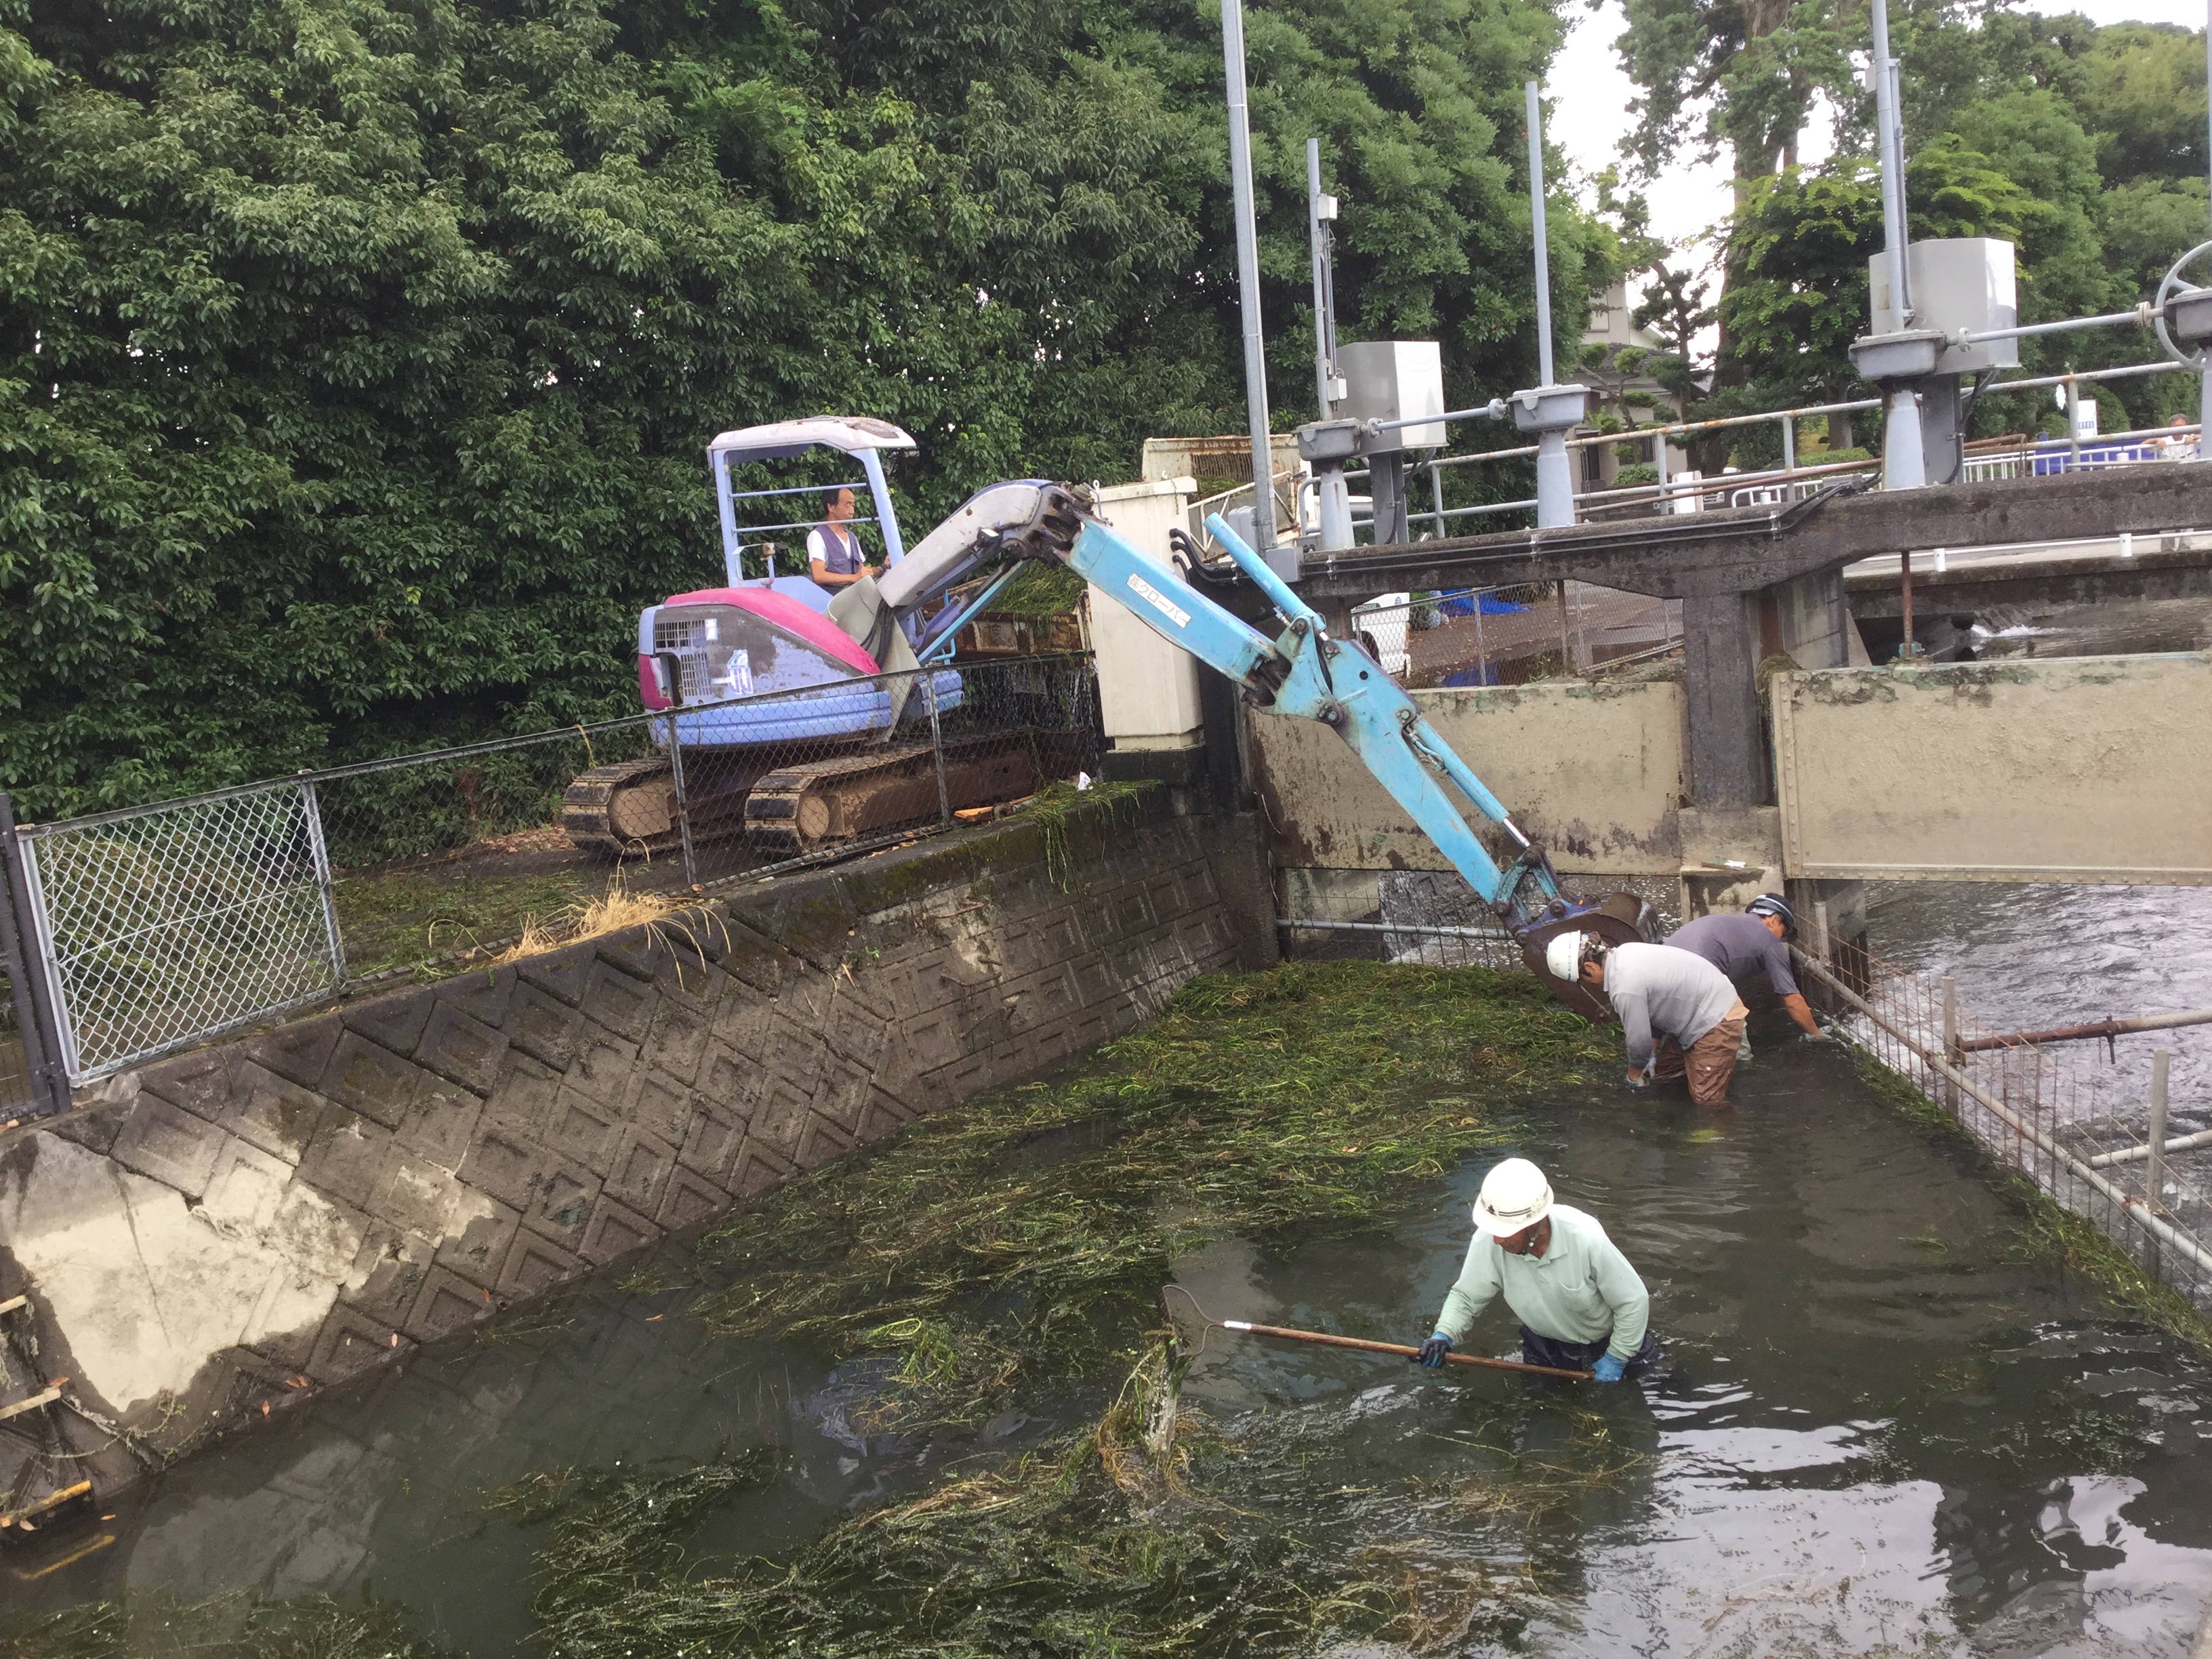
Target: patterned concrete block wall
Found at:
241, 1225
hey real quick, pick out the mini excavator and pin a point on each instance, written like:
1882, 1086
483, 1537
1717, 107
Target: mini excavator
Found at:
802, 697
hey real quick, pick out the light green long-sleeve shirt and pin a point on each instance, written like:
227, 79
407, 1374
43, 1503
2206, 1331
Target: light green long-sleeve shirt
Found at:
1577, 1291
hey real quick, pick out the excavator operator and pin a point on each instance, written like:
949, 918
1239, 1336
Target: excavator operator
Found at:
834, 558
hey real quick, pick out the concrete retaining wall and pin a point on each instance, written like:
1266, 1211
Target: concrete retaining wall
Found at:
240, 1225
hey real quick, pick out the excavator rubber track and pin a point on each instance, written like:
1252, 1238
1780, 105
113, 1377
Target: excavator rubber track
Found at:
799, 808
629, 808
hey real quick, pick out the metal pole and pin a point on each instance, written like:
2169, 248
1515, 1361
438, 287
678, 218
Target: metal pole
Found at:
1481, 651
1895, 231
2154, 1160
19, 950
1904, 599
1318, 235
683, 806
1436, 490
1248, 276
312, 807
1952, 1052
2073, 424
1789, 443
1543, 252
937, 745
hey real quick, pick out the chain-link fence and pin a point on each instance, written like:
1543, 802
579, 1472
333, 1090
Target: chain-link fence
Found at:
162, 925
1516, 634
2061, 1113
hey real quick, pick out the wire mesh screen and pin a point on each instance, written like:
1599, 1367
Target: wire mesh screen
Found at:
168, 924
2065, 1115
1516, 634
181, 920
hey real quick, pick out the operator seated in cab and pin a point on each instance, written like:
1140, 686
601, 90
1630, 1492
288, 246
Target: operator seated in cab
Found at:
834, 557
1679, 1016
1756, 942
1580, 1306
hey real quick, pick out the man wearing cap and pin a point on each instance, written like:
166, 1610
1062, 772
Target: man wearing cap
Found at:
1679, 1014
1753, 943
1581, 1305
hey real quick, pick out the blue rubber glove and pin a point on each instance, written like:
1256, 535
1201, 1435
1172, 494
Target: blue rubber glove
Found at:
1434, 1350
1608, 1369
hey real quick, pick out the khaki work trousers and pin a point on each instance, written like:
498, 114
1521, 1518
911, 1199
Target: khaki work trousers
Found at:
1711, 1062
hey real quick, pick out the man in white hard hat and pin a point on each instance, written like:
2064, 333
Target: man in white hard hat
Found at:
1679, 1014
1581, 1305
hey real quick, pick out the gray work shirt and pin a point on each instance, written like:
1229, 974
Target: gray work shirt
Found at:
1659, 991
1740, 946
1580, 1289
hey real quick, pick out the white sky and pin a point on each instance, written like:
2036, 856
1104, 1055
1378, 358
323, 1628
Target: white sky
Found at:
1590, 97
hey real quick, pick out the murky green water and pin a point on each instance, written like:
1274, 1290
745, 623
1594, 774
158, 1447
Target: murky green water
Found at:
1891, 1429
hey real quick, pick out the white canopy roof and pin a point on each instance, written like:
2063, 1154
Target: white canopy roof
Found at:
780, 440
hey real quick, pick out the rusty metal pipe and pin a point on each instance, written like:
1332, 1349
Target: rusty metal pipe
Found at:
2094, 1031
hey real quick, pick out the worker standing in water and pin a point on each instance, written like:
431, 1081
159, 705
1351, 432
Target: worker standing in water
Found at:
834, 558
1679, 1014
1756, 942
1580, 1306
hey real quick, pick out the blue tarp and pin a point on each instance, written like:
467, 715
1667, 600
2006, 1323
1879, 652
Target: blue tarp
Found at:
1465, 604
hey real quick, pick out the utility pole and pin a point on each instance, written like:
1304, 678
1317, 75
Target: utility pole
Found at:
1548, 409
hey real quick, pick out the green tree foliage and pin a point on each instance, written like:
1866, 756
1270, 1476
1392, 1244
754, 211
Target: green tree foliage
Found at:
357, 356
2085, 146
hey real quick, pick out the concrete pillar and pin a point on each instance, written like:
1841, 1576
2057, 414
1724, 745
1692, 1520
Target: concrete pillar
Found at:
1727, 756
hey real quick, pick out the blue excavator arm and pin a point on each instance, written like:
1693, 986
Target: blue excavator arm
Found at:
1305, 674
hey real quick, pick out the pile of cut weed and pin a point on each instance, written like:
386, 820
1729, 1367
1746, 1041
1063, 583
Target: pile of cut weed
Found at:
1022, 1236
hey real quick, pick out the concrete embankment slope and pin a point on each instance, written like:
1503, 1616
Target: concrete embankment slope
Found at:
239, 1225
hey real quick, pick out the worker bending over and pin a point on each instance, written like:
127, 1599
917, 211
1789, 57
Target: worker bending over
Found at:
1753, 943
1678, 1014
1581, 1305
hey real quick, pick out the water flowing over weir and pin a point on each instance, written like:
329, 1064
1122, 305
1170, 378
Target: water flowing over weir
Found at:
1900, 1420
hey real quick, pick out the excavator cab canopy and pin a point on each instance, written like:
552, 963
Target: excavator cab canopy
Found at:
754, 519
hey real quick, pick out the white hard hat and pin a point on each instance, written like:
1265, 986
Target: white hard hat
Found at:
1513, 1195
1563, 957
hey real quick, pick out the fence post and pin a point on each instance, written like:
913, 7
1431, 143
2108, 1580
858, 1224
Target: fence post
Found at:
2155, 1164
1437, 490
1789, 447
1953, 1054
936, 743
27, 971
683, 806
312, 805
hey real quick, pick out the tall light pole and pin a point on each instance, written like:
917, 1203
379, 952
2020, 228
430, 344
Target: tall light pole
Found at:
1247, 281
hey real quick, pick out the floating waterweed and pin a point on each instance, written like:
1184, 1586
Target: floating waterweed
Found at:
1021, 1236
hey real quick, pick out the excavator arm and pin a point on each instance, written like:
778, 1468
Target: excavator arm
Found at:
1305, 674
1302, 673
